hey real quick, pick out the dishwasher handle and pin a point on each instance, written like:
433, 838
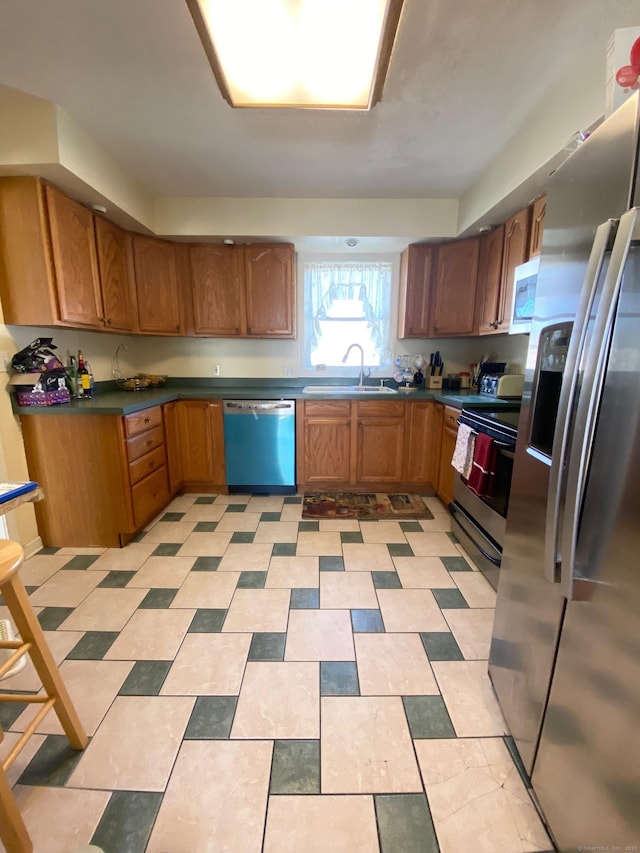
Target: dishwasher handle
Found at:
262, 407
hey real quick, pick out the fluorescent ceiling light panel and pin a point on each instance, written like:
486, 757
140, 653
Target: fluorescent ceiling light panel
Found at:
322, 54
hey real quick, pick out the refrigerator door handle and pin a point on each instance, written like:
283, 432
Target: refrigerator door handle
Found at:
602, 243
589, 403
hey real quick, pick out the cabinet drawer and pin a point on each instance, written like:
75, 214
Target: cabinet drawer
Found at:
141, 421
327, 408
144, 443
149, 496
381, 408
146, 464
451, 416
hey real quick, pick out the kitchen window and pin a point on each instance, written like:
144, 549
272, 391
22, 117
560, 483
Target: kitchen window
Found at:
347, 302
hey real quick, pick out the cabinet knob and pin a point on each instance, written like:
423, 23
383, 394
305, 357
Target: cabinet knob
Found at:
360, 424
348, 424
178, 327
147, 420
149, 442
108, 321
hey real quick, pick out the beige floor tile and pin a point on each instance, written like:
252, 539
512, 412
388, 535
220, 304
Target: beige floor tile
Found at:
87, 552
366, 746
347, 589
291, 572
441, 522
393, 665
435, 505
60, 644
232, 499
24, 756
472, 629
181, 503
169, 531
423, 573
240, 522
162, 573
477, 799
291, 512
476, 589
410, 610
225, 810
319, 635
276, 531
127, 559
104, 610
151, 635
279, 700
270, 503
319, 545
258, 610
206, 544
60, 819
240, 557
378, 532
135, 747
206, 590
92, 685
367, 558
469, 697
208, 665
39, 568
331, 525
203, 512
66, 588
431, 545
317, 824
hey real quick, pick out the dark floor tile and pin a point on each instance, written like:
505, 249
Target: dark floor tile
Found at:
206, 564
158, 599
411, 527
441, 645
449, 599
305, 599
146, 678
456, 564
10, 711
52, 764
127, 821
236, 507
515, 755
386, 580
284, 549
29, 590
172, 516
405, 824
48, 551
267, 646
81, 561
207, 621
140, 536
252, 580
116, 580
351, 536
244, 537
308, 527
205, 499
339, 678
93, 646
331, 564
167, 549
400, 549
205, 527
293, 500
50, 618
453, 538
367, 621
269, 516
295, 768
428, 717
211, 718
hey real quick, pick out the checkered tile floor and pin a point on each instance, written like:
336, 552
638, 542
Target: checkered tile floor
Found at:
252, 681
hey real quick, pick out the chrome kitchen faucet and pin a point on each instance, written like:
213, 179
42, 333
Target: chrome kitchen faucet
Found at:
362, 373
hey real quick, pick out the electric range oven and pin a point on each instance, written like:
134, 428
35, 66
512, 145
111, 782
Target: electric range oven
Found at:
479, 522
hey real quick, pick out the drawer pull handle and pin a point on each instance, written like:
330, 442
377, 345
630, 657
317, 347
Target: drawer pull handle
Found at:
147, 420
151, 464
149, 442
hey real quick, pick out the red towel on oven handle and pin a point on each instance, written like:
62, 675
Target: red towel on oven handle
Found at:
483, 471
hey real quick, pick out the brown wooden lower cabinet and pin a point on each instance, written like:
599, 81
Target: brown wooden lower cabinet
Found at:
447, 473
171, 417
202, 445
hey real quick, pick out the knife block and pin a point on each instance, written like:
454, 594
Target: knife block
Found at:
433, 382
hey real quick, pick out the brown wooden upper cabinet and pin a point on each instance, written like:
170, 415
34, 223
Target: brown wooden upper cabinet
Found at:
269, 290
416, 265
490, 280
453, 303
115, 263
217, 308
515, 251
538, 210
159, 309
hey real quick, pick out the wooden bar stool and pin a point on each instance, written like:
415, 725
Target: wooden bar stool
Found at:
12, 831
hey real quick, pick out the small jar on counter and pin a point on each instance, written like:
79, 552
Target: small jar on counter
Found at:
465, 379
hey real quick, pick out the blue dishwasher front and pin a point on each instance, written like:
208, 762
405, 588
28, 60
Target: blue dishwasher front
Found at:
260, 445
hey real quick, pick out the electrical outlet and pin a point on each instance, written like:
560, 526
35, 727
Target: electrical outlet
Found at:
216, 370
4, 362
287, 372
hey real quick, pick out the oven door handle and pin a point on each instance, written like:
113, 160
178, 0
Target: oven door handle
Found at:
504, 445
453, 508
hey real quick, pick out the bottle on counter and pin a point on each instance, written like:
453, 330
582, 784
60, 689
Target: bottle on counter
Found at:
72, 373
91, 381
84, 381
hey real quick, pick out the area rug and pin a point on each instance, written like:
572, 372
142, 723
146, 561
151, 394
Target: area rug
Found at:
368, 505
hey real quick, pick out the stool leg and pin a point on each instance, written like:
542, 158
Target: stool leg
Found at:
16, 599
13, 832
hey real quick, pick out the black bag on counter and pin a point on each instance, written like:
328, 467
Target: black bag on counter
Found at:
37, 357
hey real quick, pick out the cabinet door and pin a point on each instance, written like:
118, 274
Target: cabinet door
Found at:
216, 431
326, 454
116, 276
489, 281
202, 442
514, 253
217, 303
170, 413
156, 286
75, 262
415, 276
423, 450
380, 450
270, 290
453, 306
538, 210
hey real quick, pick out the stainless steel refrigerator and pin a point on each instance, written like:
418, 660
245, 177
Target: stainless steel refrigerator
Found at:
565, 653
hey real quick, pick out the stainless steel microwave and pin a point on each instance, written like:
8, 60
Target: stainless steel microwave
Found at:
524, 297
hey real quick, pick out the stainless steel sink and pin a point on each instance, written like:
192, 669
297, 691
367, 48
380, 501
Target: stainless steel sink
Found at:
347, 389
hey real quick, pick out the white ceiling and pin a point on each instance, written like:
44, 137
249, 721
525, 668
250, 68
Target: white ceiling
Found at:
463, 77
